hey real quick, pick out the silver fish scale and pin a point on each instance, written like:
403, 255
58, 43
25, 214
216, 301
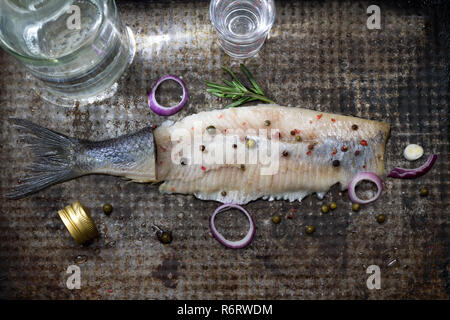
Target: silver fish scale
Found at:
123, 153
319, 55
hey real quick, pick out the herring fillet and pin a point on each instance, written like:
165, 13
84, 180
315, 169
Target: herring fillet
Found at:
146, 156
301, 172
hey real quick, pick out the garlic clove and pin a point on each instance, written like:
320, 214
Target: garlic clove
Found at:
413, 152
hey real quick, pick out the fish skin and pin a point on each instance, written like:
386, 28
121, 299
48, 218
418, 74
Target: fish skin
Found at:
131, 156
146, 156
300, 173
60, 158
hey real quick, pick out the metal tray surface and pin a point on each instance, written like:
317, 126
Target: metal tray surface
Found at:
319, 55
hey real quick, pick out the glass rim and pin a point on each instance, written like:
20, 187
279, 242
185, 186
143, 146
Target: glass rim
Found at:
243, 39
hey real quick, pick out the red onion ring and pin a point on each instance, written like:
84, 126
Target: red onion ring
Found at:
166, 111
370, 176
403, 173
227, 243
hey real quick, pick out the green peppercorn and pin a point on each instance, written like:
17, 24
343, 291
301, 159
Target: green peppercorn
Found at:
107, 208
325, 209
298, 138
267, 123
250, 143
381, 218
333, 205
423, 191
310, 229
211, 130
276, 219
356, 207
165, 237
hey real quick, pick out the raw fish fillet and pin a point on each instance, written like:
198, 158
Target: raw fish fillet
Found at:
268, 152
302, 172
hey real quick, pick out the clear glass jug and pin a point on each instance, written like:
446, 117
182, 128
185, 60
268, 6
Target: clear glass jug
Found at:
78, 49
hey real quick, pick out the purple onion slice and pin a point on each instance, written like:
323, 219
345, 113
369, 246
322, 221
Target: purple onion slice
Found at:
368, 176
228, 243
403, 173
162, 110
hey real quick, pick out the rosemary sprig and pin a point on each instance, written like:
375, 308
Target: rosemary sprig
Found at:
236, 90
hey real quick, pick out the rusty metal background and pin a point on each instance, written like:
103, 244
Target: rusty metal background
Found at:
319, 55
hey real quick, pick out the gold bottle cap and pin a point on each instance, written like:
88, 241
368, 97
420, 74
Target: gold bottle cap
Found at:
79, 222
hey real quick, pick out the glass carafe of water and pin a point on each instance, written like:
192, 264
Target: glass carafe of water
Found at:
77, 49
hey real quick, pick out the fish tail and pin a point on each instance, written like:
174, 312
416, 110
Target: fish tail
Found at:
54, 158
